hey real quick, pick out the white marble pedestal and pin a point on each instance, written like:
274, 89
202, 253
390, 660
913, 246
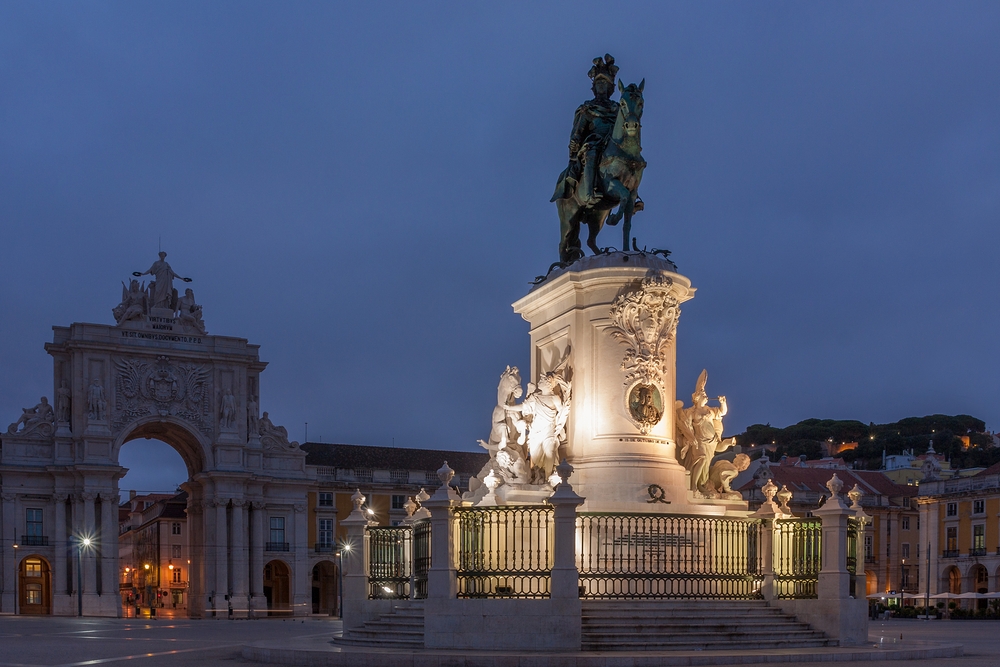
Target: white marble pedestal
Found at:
617, 458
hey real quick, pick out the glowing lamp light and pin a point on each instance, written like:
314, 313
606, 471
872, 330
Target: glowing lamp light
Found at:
347, 548
386, 589
146, 566
86, 541
371, 511
126, 570
171, 566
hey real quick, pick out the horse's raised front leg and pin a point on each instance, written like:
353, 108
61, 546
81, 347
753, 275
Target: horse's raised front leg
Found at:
627, 199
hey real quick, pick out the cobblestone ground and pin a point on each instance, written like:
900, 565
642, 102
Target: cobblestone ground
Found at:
73, 642
27, 641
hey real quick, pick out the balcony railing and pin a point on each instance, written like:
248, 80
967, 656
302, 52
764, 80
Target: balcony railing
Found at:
276, 546
323, 547
977, 551
949, 553
35, 540
870, 558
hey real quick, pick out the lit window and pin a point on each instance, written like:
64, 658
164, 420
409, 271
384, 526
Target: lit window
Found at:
979, 537
177, 575
33, 594
32, 567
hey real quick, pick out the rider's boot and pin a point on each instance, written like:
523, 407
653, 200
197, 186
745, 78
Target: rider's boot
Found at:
586, 191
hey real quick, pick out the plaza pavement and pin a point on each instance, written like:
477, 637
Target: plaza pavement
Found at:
71, 642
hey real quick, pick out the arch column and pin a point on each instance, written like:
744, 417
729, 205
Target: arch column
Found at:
111, 599
302, 586
240, 550
60, 583
196, 569
257, 555
221, 558
8, 578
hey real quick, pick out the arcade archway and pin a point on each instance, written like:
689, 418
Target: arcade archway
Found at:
277, 589
35, 586
324, 588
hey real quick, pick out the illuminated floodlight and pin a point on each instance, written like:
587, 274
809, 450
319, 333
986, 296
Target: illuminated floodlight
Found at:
86, 541
146, 566
386, 589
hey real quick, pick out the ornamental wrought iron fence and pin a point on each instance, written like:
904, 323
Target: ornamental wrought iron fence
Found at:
421, 557
668, 556
797, 557
504, 552
390, 562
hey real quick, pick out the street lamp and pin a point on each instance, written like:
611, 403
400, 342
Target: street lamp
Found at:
81, 543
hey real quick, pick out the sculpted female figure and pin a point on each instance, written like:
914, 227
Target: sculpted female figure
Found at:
548, 412
700, 433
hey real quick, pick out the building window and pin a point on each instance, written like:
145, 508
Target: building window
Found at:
398, 502
363, 474
177, 575
32, 567
326, 532
978, 506
952, 509
905, 550
175, 529
979, 537
325, 499
904, 579
175, 551
906, 523
33, 522
869, 548
34, 594
399, 476
951, 541
277, 529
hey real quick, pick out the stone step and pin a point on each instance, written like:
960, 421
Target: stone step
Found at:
382, 643
700, 637
708, 630
713, 646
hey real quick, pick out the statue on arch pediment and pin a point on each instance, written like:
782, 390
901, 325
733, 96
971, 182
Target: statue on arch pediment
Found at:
38, 421
272, 436
134, 304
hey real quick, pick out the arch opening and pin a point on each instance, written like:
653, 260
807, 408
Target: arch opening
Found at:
157, 564
277, 589
34, 589
324, 588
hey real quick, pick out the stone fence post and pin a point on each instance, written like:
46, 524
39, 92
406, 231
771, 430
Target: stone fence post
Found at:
442, 576
565, 576
353, 560
768, 512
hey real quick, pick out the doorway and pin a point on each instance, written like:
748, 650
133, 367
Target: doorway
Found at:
35, 586
276, 589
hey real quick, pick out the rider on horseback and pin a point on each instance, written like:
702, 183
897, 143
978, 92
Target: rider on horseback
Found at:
592, 124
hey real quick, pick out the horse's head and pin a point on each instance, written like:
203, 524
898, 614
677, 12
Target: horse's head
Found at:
510, 384
630, 106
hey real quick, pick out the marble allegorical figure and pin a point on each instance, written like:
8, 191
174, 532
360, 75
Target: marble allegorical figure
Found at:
722, 473
274, 437
133, 305
64, 400
508, 456
161, 290
189, 312
39, 419
545, 411
228, 420
699, 435
253, 426
96, 404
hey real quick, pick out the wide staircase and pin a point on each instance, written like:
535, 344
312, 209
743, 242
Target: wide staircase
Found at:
632, 625
403, 627
693, 625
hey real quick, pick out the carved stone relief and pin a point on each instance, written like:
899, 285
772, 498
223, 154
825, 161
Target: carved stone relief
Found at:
162, 387
645, 321
37, 422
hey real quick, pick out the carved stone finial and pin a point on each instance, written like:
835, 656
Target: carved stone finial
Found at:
564, 470
423, 496
855, 495
358, 499
835, 485
491, 481
410, 507
445, 474
769, 490
784, 496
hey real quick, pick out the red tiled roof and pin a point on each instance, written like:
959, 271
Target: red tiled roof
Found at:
992, 470
871, 482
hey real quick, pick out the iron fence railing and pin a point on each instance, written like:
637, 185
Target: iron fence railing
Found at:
797, 557
504, 552
668, 556
421, 557
390, 562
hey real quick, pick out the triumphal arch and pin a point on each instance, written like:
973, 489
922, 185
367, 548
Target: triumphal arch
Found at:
155, 373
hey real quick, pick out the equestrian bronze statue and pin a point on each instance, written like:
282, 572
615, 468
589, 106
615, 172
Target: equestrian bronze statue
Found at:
605, 163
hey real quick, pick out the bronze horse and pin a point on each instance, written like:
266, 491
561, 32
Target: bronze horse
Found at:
619, 175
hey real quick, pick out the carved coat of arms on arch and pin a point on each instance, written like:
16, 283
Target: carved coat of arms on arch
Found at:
146, 387
645, 320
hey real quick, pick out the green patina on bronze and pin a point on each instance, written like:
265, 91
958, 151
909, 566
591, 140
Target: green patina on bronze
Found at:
605, 163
